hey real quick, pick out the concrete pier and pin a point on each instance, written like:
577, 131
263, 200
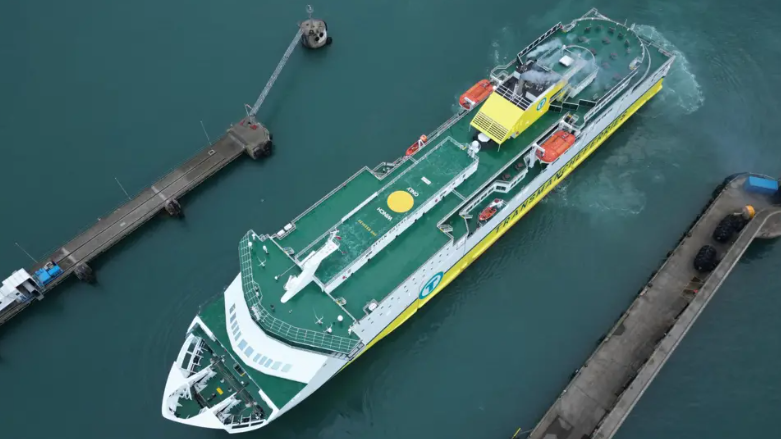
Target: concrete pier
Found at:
606, 388
74, 257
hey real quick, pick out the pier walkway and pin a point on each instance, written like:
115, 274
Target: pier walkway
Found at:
162, 195
607, 387
245, 137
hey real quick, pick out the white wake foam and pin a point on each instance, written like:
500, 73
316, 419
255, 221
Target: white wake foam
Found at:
681, 88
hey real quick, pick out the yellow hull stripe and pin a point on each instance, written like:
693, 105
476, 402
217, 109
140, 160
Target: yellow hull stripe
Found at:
513, 217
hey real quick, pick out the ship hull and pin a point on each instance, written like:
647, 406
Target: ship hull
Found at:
458, 254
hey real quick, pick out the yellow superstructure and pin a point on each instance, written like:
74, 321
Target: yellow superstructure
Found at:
500, 119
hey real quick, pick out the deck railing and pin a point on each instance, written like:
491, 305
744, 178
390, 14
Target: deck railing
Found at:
608, 98
447, 124
402, 225
275, 326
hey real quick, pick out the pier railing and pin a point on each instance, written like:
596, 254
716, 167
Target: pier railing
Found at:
275, 326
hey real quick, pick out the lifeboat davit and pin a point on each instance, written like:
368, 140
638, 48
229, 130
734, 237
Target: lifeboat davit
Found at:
477, 94
490, 210
417, 145
555, 146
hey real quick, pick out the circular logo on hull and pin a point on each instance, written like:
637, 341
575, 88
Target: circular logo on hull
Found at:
431, 285
542, 104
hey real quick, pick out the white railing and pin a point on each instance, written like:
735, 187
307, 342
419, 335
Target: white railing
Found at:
539, 40
606, 99
519, 100
498, 77
273, 325
448, 123
376, 172
384, 168
500, 186
399, 228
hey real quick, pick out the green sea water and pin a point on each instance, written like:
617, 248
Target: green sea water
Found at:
97, 91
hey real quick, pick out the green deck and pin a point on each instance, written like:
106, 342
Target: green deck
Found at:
296, 320
304, 320
439, 165
279, 390
397, 261
314, 223
615, 50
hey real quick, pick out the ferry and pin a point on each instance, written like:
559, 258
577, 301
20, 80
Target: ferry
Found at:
315, 295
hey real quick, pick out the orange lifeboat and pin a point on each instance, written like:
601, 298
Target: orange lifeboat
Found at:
555, 146
417, 145
490, 210
476, 94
